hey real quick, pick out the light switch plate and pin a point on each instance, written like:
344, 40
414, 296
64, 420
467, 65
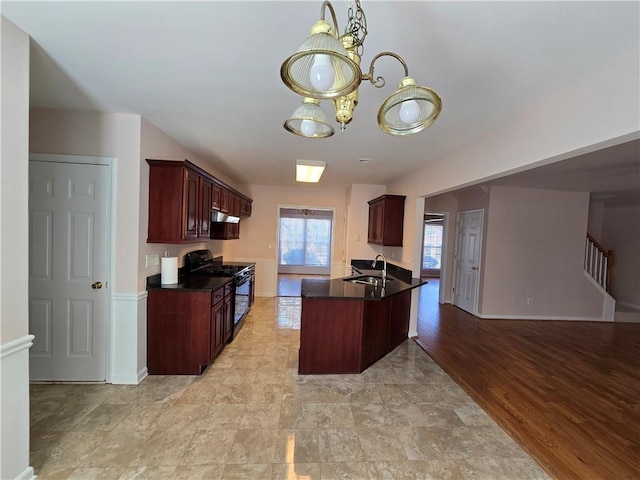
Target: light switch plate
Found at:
153, 259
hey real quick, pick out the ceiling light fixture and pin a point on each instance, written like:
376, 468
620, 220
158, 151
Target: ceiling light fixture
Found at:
309, 121
328, 67
309, 171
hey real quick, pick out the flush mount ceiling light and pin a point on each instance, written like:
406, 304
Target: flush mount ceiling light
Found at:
309, 171
328, 67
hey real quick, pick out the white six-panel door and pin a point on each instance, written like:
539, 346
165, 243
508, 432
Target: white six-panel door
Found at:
468, 247
68, 228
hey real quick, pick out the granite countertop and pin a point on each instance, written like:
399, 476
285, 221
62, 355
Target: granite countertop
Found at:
398, 280
195, 283
187, 283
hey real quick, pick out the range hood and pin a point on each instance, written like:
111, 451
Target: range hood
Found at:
220, 217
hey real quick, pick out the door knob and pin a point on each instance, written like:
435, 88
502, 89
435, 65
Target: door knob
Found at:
474, 268
96, 285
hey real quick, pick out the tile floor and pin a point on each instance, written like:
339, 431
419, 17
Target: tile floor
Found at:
250, 416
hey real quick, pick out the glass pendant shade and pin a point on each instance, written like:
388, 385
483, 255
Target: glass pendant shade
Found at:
410, 109
309, 121
321, 67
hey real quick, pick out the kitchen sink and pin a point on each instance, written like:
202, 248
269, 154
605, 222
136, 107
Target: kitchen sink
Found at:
366, 280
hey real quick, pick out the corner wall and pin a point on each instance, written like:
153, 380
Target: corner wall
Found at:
14, 286
621, 233
535, 250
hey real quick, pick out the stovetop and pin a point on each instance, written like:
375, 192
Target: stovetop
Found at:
219, 270
202, 262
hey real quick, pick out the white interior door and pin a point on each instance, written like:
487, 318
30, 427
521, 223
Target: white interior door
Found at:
467, 257
68, 260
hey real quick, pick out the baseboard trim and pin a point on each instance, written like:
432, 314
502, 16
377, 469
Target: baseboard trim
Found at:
630, 305
142, 374
541, 317
28, 474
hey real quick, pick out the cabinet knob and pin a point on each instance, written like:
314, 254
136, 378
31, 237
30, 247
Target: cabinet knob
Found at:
97, 285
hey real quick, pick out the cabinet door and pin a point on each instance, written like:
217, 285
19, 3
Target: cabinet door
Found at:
379, 223
204, 208
215, 196
371, 235
375, 331
399, 318
217, 328
178, 332
246, 210
227, 321
376, 223
224, 200
232, 204
386, 219
192, 221
225, 231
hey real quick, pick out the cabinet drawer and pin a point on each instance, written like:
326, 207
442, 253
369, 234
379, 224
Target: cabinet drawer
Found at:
218, 295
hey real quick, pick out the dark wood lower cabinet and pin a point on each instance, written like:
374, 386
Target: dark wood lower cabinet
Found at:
399, 313
187, 330
348, 336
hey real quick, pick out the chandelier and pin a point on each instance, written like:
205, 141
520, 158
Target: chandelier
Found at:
327, 67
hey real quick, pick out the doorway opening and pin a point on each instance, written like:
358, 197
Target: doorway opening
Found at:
432, 239
304, 247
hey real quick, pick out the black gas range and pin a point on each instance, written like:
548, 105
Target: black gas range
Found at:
203, 263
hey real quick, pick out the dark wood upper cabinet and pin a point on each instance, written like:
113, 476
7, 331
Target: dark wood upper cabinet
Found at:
181, 197
215, 196
224, 200
386, 220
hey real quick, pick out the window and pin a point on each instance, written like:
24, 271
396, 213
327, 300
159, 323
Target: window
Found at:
305, 241
432, 245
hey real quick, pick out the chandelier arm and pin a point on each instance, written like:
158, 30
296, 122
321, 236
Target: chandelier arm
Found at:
379, 82
327, 4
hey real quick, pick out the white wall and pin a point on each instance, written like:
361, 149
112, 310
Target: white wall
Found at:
535, 250
358, 198
15, 340
557, 128
259, 234
156, 144
101, 134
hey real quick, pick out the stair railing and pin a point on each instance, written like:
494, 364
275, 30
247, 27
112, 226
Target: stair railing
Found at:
598, 263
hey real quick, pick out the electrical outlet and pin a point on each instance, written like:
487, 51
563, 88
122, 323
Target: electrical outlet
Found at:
152, 260
529, 301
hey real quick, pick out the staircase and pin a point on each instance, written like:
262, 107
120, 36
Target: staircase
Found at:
598, 263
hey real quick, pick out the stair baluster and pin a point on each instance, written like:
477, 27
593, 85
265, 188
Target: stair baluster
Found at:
598, 262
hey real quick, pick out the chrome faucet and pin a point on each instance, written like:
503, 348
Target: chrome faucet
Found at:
384, 267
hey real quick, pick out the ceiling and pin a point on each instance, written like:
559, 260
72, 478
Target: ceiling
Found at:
207, 73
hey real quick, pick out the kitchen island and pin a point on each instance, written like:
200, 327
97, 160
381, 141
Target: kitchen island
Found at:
347, 326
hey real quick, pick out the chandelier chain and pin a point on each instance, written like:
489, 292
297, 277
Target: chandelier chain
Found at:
356, 26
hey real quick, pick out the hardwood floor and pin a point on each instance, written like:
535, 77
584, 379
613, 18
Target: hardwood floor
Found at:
568, 392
